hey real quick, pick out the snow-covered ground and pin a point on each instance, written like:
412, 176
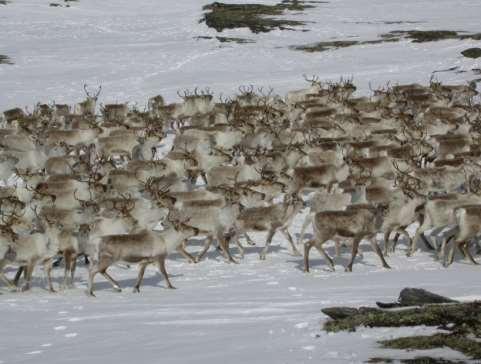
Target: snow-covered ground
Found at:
257, 311
137, 49
254, 312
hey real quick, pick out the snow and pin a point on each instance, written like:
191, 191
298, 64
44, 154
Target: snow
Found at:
256, 311
137, 49
253, 312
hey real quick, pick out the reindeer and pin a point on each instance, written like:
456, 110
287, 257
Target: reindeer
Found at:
88, 106
468, 221
273, 218
31, 249
357, 222
145, 247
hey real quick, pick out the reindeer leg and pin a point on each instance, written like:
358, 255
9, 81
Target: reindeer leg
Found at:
378, 251
270, 235
164, 271
337, 247
295, 251
249, 240
400, 232
112, 281
307, 248
181, 249
207, 245
28, 276
442, 251
452, 253
387, 234
93, 270
72, 270
67, 256
397, 235
241, 248
355, 247
140, 277
320, 249
4, 279
48, 266
467, 253
18, 275
7, 282
419, 235
224, 245
478, 247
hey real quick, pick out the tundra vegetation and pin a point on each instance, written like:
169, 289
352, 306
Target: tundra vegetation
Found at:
472, 52
459, 323
5, 59
415, 36
259, 18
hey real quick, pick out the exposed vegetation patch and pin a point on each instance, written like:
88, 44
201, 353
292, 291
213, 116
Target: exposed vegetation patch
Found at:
422, 36
461, 321
416, 36
258, 18
4, 2
5, 59
430, 360
417, 360
472, 53
461, 343
324, 46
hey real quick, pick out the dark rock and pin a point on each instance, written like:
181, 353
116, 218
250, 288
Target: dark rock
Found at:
416, 297
472, 53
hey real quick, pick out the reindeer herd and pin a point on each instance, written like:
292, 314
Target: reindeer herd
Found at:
81, 183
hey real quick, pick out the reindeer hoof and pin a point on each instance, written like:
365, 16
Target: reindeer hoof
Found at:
348, 269
387, 266
262, 257
117, 289
136, 290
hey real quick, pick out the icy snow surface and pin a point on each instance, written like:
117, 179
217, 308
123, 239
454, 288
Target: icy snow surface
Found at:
257, 311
